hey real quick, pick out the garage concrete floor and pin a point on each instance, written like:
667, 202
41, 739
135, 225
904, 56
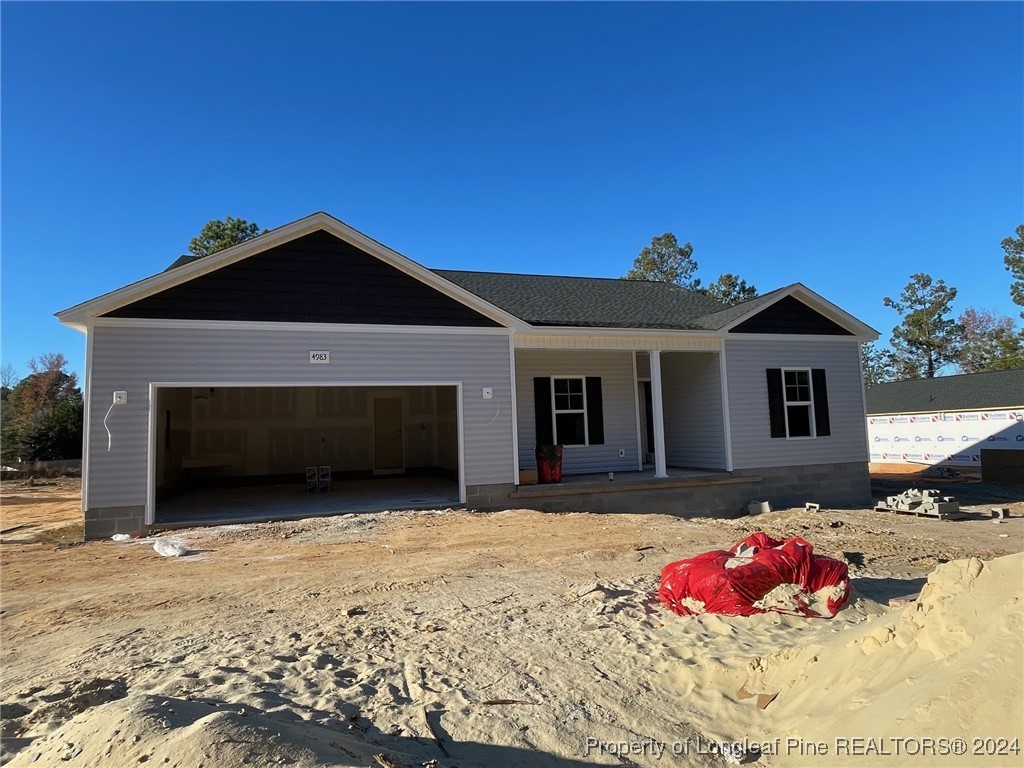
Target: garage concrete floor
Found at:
291, 501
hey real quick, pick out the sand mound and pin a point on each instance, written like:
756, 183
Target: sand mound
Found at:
949, 666
171, 732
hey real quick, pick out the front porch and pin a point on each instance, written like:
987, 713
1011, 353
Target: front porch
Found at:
623, 411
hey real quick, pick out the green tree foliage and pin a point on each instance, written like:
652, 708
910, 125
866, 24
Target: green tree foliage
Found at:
928, 338
217, 234
730, 289
42, 414
877, 364
666, 260
1013, 247
990, 342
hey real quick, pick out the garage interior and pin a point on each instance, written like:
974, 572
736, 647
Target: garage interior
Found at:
227, 454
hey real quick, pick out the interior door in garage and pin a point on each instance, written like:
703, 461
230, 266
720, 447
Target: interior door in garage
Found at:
388, 441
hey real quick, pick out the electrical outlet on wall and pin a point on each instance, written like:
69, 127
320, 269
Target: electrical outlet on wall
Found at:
120, 397
622, 453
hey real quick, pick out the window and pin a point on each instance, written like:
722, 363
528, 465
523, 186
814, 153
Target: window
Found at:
798, 402
570, 408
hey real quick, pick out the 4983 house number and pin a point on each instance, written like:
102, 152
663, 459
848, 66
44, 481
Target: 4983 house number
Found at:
322, 357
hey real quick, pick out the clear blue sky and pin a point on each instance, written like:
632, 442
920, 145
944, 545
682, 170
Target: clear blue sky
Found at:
841, 145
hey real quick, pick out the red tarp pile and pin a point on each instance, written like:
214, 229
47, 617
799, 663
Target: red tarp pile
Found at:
759, 575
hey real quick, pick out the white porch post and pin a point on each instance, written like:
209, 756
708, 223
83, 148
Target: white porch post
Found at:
660, 470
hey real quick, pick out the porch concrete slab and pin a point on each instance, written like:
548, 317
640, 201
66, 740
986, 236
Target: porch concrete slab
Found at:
290, 501
629, 482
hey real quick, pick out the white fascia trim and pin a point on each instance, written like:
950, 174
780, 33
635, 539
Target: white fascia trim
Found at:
160, 282
612, 338
250, 325
795, 337
817, 302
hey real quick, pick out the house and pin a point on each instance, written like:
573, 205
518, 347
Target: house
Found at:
948, 420
314, 346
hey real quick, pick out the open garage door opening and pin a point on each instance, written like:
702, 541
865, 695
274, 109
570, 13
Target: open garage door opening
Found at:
232, 453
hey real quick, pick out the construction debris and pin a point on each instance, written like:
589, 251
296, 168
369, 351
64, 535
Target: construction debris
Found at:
1000, 512
927, 502
944, 472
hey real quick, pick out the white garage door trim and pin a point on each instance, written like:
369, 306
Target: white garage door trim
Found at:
154, 386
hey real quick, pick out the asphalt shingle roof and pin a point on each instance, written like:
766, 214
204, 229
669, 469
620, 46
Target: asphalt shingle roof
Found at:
723, 317
969, 391
590, 302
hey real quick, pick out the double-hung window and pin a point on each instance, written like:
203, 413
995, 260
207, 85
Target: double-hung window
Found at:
798, 402
799, 405
570, 409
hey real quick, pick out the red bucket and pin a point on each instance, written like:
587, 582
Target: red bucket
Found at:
549, 464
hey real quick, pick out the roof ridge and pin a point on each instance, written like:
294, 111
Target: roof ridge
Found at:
560, 277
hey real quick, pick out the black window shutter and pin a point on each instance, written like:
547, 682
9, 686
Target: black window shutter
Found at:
595, 411
821, 425
776, 404
542, 410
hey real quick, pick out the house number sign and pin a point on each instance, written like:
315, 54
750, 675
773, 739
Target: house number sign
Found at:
321, 358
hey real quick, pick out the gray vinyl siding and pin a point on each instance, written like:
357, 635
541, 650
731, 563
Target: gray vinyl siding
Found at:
692, 401
752, 444
127, 358
616, 371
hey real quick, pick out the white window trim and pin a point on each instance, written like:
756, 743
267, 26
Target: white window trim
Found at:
555, 412
809, 403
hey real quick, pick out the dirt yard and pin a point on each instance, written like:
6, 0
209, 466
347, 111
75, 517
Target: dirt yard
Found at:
446, 638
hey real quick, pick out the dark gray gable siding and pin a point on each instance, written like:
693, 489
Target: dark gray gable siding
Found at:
317, 278
790, 315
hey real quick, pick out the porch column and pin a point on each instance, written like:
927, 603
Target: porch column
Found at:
658, 415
